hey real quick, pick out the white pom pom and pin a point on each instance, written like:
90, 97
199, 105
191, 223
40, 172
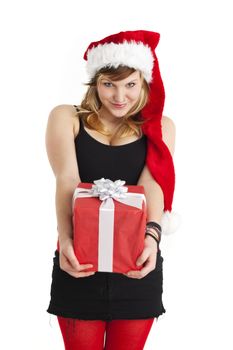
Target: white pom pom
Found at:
170, 222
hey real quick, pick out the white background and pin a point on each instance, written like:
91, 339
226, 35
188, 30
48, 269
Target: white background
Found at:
42, 47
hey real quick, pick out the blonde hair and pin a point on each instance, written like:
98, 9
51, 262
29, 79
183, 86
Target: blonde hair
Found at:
88, 110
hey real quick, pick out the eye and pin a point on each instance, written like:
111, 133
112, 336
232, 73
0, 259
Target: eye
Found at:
106, 84
131, 84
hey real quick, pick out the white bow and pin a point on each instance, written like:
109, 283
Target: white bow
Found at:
105, 188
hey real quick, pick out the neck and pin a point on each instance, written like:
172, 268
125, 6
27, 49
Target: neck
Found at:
109, 119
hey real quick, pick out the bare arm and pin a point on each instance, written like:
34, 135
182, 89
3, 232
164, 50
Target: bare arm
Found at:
62, 157
153, 192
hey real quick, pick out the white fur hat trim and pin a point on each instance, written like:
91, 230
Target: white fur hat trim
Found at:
170, 222
131, 54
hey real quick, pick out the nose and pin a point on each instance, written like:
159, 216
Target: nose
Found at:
119, 96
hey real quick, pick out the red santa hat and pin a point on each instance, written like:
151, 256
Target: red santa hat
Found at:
136, 49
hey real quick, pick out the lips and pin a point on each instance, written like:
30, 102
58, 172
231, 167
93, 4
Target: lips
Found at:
119, 105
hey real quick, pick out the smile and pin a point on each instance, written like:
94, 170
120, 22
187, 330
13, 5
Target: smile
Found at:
116, 105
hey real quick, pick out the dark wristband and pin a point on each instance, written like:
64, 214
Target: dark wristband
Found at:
149, 234
151, 225
158, 233
154, 224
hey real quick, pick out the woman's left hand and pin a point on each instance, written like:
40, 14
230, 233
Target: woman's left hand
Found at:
148, 257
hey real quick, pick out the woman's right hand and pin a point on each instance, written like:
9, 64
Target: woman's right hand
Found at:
69, 262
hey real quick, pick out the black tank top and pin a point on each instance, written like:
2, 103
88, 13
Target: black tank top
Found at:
96, 159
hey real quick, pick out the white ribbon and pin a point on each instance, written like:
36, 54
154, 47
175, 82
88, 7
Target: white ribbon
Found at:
107, 190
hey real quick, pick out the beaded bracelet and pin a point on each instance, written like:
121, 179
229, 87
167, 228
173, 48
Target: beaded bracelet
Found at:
154, 231
149, 234
154, 225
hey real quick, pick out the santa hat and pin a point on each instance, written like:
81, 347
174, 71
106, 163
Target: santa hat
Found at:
136, 49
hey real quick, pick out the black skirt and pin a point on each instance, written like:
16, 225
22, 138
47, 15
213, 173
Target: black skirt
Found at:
106, 295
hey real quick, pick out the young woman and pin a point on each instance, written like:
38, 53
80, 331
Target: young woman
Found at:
117, 132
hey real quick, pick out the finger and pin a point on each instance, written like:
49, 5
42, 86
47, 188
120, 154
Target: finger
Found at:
81, 274
143, 257
74, 262
68, 266
84, 267
80, 268
131, 273
134, 274
148, 267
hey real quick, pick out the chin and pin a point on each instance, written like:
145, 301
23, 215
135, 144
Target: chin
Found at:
119, 112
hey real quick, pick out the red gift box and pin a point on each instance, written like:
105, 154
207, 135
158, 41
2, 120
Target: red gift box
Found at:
109, 232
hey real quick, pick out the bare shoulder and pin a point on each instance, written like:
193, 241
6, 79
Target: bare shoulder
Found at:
59, 140
62, 115
168, 133
168, 124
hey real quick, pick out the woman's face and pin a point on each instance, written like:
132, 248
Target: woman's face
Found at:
118, 97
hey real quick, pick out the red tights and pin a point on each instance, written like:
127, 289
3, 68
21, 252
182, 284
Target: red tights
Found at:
90, 334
